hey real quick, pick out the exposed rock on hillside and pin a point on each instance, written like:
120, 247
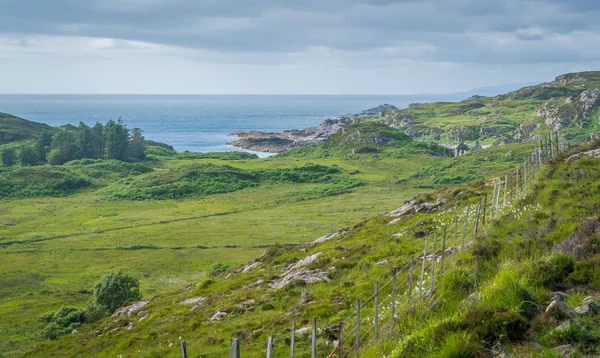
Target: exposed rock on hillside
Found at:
272, 142
558, 115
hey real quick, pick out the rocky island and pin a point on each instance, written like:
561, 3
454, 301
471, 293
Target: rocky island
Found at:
276, 142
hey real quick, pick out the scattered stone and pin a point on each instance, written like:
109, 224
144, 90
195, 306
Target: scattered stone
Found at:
302, 274
129, 325
564, 350
383, 262
131, 309
558, 309
398, 234
330, 236
302, 331
144, 317
509, 154
429, 207
305, 297
255, 283
305, 261
589, 308
403, 209
566, 325
74, 331
250, 266
558, 296
218, 316
192, 301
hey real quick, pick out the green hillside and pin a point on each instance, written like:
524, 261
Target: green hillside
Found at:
15, 129
213, 237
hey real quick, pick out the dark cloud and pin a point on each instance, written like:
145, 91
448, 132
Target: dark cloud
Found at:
445, 30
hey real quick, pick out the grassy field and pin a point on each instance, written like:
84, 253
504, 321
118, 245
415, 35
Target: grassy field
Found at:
53, 249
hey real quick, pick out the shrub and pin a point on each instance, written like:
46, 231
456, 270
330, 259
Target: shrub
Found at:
218, 269
62, 322
587, 273
114, 289
492, 324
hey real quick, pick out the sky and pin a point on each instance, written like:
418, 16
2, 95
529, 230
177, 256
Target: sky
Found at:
291, 46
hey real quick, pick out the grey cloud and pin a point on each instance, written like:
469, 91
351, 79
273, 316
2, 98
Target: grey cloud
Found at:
261, 26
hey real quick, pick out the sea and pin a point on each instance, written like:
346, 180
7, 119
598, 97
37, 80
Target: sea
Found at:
199, 123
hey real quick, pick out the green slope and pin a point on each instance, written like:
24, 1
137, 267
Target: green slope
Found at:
15, 129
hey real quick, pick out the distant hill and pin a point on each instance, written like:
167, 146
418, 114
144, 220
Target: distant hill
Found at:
15, 129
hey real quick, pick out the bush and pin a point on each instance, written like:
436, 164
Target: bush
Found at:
587, 273
218, 269
40, 181
493, 324
62, 322
114, 289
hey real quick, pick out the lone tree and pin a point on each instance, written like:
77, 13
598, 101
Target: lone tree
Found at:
115, 289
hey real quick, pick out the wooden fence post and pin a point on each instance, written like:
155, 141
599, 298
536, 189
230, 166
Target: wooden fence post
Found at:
234, 348
394, 293
525, 175
455, 233
433, 257
492, 202
183, 350
423, 265
357, 343
293, 340
270, 347
314, 337
476, 226
462, 245
376, 312
517, 183
443, 251
484, 208
497, 201
410, 280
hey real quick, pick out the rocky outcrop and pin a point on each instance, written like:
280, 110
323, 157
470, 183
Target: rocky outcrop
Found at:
591, 153
378, 111
303, 274
416, 208
330, 236
131, 309
276, 142
582, 242
557, 114
559, 310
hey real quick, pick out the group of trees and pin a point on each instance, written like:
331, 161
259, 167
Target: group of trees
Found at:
110, 141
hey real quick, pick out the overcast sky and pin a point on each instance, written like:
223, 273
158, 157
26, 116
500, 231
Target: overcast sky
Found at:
291, 46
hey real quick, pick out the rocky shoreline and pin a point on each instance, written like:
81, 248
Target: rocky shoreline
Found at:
277, 142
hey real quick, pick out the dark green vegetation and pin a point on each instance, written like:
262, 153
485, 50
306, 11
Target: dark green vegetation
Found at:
186, 224
15, 129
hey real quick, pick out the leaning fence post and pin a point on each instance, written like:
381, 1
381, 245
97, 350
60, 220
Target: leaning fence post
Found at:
183, 350
394, 293
476, 226
357, 343
423, 265
410, 280
443, 251
455, 233
433, 262
484, 208
293, 340
462, 245
376, 311
314, 337
497, 200
270, 347
234, 348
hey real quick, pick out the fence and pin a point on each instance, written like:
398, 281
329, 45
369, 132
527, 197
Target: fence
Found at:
409, 289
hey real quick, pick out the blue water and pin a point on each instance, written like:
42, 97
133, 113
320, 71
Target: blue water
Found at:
200, 123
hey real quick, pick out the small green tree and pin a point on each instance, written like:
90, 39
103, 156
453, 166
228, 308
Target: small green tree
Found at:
64, 147
28, 156
42, 146
117, 140
98, 141
115, 289
85, 143
9, 157
137, 146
